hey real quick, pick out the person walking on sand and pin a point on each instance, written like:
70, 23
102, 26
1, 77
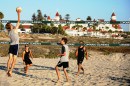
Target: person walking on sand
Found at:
25, 57
14, 44
80, 53
64, 59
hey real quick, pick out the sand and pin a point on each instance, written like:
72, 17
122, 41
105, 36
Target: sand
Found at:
100, 70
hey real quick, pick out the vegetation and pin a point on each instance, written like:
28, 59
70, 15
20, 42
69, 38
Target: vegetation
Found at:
128, 33
57, 32
44, 28
1, 17
51, 51
89, 18
67, 17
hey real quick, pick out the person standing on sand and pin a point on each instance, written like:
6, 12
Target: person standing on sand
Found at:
80, 53
25, 57
64, 59
14, 44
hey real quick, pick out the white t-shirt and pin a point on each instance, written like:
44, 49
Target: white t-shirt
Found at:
65, 49
14, 37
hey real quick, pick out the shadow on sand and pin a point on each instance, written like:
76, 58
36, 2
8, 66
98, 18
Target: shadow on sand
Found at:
3, 68
20, 71
38, 67
121, 80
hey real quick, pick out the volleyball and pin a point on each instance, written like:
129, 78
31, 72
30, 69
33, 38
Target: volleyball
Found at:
18, 9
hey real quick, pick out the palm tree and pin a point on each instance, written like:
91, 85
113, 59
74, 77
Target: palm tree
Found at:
89, 18
67, 17
1, 17
34, 18
39, 16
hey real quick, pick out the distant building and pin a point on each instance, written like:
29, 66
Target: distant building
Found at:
78, 19
57, 17
113, 17
26, 28
98, 30
49, 18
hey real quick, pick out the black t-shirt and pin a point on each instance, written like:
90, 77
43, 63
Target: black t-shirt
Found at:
81, 52
26, 56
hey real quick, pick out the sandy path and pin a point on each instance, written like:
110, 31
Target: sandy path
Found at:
100, 70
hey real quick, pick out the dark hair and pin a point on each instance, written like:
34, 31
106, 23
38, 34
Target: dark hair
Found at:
81, 42
65, 39
7, 26
26, 45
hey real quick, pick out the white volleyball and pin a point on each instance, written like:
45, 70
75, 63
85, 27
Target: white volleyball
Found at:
19, 9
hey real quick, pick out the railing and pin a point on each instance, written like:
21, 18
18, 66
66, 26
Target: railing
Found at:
67, 22
70, 44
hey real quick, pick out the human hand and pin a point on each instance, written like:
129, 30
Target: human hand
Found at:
58, 54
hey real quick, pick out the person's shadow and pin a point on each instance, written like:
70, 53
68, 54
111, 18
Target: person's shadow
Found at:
15, 69
122, 80
20, 71
39, 67
3, 67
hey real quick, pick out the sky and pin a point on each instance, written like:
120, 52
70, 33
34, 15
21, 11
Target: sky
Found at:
97, 9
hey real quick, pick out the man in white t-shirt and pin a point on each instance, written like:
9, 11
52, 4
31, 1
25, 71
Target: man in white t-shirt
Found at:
64, 60
14, 44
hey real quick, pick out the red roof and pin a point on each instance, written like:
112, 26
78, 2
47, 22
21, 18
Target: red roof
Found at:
103, 31
48, 18
113, 14
114, 35
101, 20
90, 30
116, 26
66, 27
57, 14
62, 20
26, 26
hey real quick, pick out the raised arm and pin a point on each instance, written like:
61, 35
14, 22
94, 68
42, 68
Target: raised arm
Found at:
18, 23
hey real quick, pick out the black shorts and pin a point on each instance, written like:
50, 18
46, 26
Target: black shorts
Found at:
28, 61
64, 64
80, 60
13, 49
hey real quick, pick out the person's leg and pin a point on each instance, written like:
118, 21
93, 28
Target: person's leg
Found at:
27, 67
82, 69
79, 67
30, 65
82, 66
57, 72
9, 62
66, 74
13, 64
26, 70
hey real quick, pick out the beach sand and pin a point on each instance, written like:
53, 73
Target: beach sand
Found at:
100, 70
